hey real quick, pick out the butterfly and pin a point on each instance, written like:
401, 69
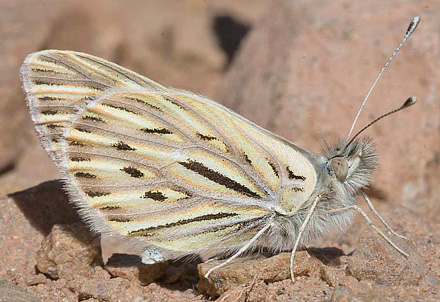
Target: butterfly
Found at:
171, 173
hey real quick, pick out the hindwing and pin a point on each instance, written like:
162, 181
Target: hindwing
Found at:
166, 168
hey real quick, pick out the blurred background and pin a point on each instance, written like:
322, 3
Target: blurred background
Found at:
299, 68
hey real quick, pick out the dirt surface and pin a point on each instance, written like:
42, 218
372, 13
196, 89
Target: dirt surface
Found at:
301, 70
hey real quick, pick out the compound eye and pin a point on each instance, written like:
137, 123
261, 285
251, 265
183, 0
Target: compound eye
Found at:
340, 167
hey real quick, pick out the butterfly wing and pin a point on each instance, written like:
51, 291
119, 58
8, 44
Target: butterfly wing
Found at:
162, 168
60, 83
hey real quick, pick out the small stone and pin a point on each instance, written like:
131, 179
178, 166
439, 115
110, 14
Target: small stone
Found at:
68, 250
36, 279
329, 275
335, 276
245, 270
108, 290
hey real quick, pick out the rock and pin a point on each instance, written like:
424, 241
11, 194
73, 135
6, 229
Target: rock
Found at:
330, 275
45, 205
103, 288
375, 259
13, 293
132, 269
244, 270
307, 81
68, 251
25, 218
36, 279
333, 269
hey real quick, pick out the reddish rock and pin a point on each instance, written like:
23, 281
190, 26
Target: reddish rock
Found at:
36, 279
376, 260
245, 270
68, 251
116, 289
304, 70
331, 275
25, 218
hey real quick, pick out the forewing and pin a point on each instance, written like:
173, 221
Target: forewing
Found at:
59, 84
161, 167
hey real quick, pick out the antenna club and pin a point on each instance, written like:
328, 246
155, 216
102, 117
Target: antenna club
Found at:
413, 25
409, 102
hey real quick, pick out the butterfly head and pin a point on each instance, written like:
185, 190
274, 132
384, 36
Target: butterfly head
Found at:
351, 164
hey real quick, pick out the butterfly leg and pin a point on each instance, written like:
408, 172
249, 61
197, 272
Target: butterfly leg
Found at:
298, 237
370, 223
370, 205
212, 259
241, 251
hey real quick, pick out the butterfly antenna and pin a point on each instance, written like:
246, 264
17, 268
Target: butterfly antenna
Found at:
409, 102
411, 28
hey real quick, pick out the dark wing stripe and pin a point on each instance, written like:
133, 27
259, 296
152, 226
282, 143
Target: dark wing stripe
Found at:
119, 108
118, 70
271, 164
157, 131
206, 137
49, 112
218, 178
92, 118
134, 98
155, 195
133, 172
79, 159
96, 193
123, 146
144, 232
84, 175
293, 176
